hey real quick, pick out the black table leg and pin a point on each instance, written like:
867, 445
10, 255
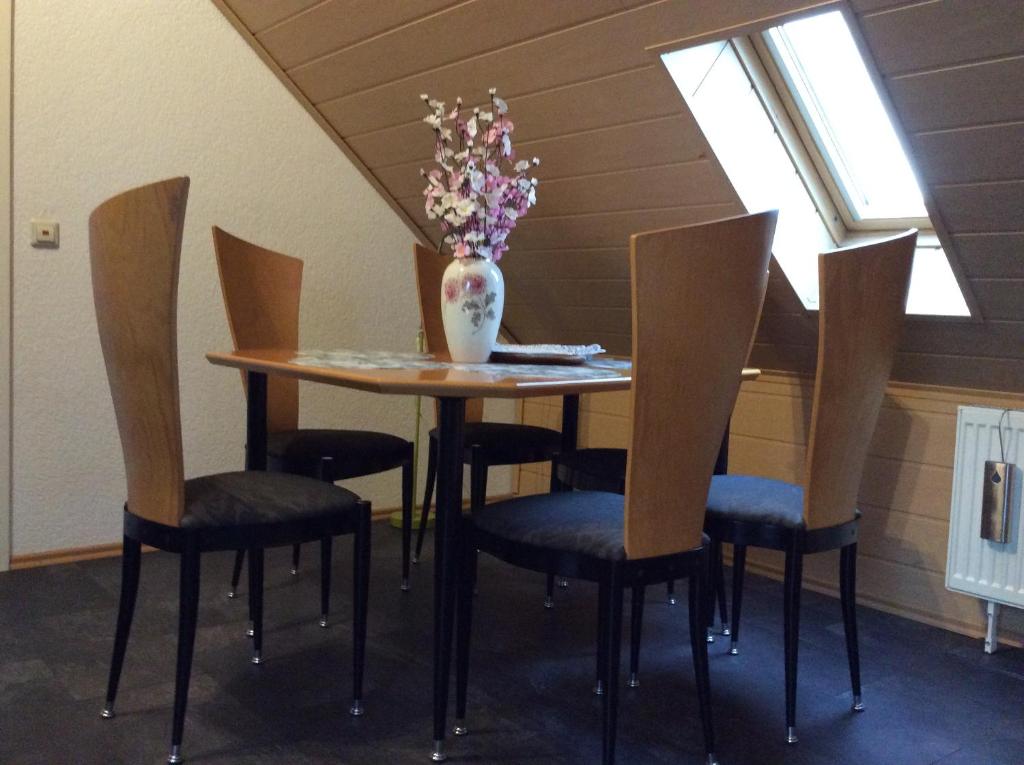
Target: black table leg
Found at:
570, 422
256, 421
722, 463
446, 556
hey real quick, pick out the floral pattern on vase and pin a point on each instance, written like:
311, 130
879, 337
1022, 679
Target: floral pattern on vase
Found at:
472, 301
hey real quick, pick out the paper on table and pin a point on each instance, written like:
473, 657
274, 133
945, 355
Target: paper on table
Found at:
550, 349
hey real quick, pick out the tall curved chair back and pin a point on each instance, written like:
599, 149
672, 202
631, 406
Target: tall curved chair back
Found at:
262, 289
135, 251
430, 266
863, 299
697, 293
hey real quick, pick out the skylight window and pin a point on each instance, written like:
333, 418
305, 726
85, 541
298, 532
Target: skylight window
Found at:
831, 86
794, 119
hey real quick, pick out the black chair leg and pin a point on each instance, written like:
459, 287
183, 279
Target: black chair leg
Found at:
739, 568
670, 591
549, 592
848, 594
613, 627
325, 579
256, 602
361, 598
428, 493
296, 557
463, 634
407, 479
791, 609
236, 573
131, 560
719, 584
602, 633
477, 479
636, 623
699, 584
708, 610
187, 616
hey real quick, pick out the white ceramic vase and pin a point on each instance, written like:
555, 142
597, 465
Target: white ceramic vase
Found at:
472, 299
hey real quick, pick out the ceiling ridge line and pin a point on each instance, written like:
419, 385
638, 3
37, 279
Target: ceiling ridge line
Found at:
608, 213
378, 35
960, 184
516, 44
953, 67
290, 17
968, 128
903, 6
510, 98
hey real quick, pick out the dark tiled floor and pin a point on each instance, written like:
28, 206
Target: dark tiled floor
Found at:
932, 697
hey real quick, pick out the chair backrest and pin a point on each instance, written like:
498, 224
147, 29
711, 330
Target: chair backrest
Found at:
135, 251
430, 266
863, 297
261, 290
697, 292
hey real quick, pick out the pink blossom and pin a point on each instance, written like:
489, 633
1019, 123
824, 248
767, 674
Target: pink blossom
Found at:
461, 250
451, 290
475, 284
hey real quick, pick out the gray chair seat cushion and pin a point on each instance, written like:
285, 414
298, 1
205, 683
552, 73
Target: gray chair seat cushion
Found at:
255, 497
594, 469
353, 452
507, 443
756, 500
585, 522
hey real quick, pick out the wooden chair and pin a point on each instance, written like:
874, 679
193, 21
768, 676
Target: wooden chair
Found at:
692, 323
486, 443
863, 298
135, 245
262, 289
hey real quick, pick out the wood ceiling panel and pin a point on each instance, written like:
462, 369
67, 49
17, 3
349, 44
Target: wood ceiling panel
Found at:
602, 263
1001, 299
666, 140
337, 24
646, 93
609, 229
981, 207
960, 371
976, 94
930, 35
570, 291
257, 15
993, 339
440, 39
989, 153
998, 255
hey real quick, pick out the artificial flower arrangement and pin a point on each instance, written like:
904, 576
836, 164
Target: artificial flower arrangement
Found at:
478, 191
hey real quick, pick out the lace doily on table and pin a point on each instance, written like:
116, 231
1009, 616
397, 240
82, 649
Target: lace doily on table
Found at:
345, 359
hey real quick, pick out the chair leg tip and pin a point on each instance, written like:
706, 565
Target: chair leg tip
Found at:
563, 582
460, 729
438, 754
256, 658
549, 602
711, 759
405, 585
858, 704
295, 571
175, 755
357, 709
599, 688
232, 594
250, 632
672, 600
415, 559
634, 680
791, 735
107, 713
323, 622
734, 648
726, 632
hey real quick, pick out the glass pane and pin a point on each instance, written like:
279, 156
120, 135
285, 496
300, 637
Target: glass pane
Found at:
831, 85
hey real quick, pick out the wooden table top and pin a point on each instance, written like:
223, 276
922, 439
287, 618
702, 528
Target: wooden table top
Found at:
443, 379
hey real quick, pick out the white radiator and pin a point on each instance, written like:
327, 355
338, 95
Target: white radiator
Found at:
975, 566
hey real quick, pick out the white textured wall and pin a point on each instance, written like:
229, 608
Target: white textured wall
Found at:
110, 95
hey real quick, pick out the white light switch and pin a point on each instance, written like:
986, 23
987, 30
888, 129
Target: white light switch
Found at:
45, 233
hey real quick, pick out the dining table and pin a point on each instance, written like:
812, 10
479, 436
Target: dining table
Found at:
452, 384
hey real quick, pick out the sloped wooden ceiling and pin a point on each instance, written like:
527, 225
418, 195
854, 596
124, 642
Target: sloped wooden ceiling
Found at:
621, 153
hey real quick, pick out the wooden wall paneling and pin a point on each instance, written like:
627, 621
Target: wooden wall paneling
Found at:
666, 141
572, 291
597, 263
463, 31
922, 36
993, 339
959, 371
337, 24
636, 95
982, 206
258, 15
971, 155
998, 254
962, 96
1001, 299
